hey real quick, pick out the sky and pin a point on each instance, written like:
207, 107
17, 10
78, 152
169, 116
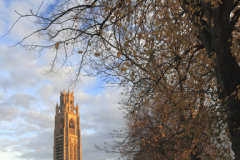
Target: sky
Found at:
28, 97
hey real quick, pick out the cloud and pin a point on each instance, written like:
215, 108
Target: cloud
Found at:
18, 68
37, 147
7, 112
38, 118
22, 100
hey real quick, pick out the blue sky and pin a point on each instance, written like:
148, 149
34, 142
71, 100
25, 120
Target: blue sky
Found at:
28, 98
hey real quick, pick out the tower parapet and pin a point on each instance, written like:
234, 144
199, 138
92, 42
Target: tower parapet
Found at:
66, 103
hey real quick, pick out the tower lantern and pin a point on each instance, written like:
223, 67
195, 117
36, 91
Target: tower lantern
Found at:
67, 133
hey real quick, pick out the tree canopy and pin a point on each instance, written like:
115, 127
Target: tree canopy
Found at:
178, 61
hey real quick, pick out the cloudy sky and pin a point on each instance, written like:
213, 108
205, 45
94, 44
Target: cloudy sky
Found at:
28, 98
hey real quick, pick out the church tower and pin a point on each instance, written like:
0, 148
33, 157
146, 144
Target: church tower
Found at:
67, 134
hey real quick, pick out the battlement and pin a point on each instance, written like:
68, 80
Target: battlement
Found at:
66, 103
63, 93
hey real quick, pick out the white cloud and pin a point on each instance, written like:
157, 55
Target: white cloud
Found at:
22, 100
38, 118
7, 112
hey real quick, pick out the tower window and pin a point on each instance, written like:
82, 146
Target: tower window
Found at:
61, 126
71, 127
71, 124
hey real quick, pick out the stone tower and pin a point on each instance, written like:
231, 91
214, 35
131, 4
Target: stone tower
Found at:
67, 134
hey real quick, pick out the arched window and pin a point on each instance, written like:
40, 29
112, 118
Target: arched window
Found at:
72, 126
61, 126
